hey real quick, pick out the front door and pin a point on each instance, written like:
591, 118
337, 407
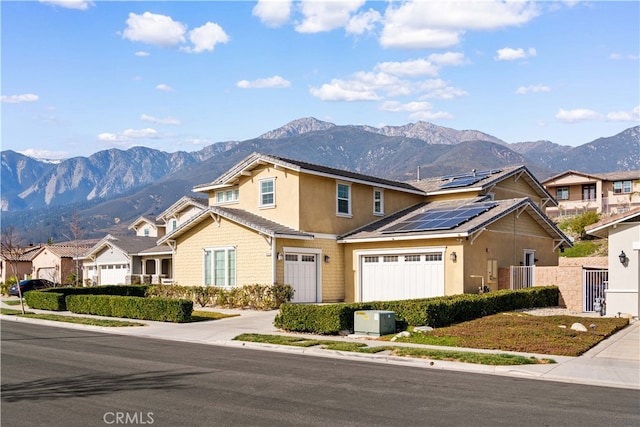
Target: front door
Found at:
301, 272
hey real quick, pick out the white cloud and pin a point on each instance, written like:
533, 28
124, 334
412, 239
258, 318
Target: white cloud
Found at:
129, 135
320, 16
151, 28
17, 99
440, 24
417, 67
525, 90
447, 58
344, 90
164, 88
269, 82
624, 116
363, 22
161, 121
273, 13
439, 89
205, 37
577, 115
141, 53
38, 153
509, 54
70, 4
430, 115
619, 56
583, 114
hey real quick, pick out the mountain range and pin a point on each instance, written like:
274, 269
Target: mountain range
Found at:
111, 188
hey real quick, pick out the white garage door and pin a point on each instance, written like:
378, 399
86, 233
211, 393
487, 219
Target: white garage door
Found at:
113, 274
300, 271
388, 277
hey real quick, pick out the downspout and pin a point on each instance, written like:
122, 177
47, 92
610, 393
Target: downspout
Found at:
274, 260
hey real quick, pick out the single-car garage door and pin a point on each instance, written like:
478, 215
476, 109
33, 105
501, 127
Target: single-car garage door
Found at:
399, 276
300, 271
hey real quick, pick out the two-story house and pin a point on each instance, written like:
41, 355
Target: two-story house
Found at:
336, 235
606, 193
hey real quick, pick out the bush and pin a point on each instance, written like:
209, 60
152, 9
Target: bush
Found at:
120, 290
45, 300
435, 312
259, 297
160, 309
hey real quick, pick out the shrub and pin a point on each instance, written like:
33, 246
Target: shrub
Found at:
120, 290
160, 309
260, 297
45, 300
435, 312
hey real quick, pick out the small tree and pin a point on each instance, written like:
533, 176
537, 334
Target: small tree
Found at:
76, 233
12, 252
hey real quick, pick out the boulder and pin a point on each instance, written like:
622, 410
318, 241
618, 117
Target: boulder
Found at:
579, 327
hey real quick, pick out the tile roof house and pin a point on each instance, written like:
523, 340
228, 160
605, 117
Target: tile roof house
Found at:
606, 193
60, 262
20, 266
336, 235
623, 233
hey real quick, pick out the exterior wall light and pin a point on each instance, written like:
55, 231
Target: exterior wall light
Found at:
623, 258
327, 258
453, 256
280, 257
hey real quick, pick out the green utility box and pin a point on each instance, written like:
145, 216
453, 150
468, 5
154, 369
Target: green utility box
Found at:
374, 322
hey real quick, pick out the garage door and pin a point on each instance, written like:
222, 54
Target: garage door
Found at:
388, 277
113, 274
300, 271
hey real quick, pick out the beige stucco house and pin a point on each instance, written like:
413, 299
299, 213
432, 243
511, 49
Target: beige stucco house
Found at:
606, 193
336, 235
18, 264
60, 262
623, 234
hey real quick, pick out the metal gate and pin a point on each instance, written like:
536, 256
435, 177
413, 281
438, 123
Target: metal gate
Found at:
594, 284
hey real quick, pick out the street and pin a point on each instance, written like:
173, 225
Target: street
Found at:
78, 377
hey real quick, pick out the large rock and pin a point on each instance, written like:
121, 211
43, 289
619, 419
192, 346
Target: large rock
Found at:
579, 327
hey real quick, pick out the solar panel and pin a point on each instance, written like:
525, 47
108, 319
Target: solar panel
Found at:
463, 180
439, 219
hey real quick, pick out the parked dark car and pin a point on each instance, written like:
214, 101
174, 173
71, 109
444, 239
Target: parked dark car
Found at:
30, 285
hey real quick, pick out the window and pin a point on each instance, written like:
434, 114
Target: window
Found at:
174, 224
621, 187
562, 193
344, 199
220, 267
589, 192
268, 192
228, 196
412, 258
371, 259
390, 258
378, 202
146, 232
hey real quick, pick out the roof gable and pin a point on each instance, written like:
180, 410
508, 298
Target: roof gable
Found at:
601, 228
256, 159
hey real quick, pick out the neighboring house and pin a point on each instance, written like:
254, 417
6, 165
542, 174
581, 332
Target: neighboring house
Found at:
180, 212
60, 261
147, 227
336, 235
23, 266
119, 260
623, 234
607, 193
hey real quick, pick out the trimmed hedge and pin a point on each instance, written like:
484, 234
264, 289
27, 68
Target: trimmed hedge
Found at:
45, 300
160, 309
257, 297
120, 290
436, 312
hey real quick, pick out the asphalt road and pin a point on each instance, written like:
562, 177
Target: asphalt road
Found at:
69, 377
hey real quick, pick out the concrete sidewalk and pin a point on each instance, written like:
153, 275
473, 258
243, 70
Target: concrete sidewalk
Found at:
615, 362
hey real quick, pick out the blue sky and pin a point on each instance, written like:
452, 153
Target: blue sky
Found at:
83, 76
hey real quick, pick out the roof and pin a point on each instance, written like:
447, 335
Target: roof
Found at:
601, 228
143, 219
255, 159
71, 249
486, 180
131, 245
608, 176
242, 217
26, 254
379, 230
180, 204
